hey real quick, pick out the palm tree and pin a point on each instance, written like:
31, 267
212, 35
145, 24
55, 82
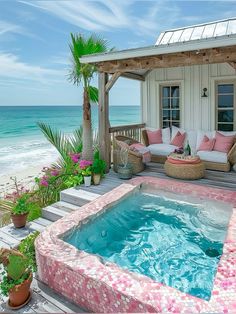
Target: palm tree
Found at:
82, 73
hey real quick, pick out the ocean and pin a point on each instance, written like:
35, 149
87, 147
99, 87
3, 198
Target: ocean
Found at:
22, 144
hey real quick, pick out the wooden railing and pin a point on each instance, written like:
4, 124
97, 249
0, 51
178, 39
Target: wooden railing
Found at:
132, 130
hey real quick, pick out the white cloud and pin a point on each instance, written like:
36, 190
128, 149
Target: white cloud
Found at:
89, 15
12, 68
6, 27
109, 15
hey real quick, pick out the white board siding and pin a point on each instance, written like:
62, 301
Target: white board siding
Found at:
196, 112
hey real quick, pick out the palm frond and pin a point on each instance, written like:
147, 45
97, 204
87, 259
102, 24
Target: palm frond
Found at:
81, 46
76, 140
93, 94
57, 139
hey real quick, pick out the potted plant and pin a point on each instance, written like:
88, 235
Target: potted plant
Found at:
124, 169
87, 174
98, 168
20, 211
86, 170
16, 278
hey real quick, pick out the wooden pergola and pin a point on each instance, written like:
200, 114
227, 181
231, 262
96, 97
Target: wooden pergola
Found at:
138, 68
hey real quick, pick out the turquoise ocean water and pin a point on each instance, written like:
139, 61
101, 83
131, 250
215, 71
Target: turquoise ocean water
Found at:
21, 143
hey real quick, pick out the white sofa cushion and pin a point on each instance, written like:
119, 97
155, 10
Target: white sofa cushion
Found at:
161, 149
165, 134
213, 156
227, 133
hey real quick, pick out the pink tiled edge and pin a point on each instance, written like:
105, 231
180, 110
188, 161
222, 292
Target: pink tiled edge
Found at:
84, 279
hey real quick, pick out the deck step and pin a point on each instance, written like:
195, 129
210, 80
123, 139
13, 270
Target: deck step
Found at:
20, 233
52, 213
42, 221
65, 206
78, 197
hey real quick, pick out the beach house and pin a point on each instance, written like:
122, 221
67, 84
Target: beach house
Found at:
188, 81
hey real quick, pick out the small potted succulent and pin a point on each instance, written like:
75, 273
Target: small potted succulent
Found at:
20, 211
16, 278
98, 168
86, 170
124, 169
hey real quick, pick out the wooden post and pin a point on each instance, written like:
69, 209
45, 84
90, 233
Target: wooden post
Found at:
104, 135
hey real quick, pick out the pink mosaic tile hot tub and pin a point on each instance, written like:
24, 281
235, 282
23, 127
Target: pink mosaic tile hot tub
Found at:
105, 287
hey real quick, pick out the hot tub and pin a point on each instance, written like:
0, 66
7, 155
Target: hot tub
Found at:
150, 245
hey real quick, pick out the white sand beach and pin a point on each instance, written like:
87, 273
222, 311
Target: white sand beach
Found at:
25, 178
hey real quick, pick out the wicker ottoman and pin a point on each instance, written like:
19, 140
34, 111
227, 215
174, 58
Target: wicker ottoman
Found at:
185, 171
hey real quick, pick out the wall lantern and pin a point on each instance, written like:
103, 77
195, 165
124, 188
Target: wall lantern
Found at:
204, 92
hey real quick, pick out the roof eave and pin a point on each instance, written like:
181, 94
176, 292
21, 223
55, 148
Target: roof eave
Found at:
217, 42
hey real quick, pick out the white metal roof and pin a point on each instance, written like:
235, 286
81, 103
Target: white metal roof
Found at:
214, 29
223, 35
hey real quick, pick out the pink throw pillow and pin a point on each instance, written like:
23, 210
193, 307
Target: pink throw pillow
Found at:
154, 137
223, 143
178, 140
207, 144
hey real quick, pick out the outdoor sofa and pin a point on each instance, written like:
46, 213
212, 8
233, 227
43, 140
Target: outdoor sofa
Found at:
213, 160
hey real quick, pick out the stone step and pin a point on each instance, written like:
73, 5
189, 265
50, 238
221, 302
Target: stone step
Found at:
52, 213
78, 197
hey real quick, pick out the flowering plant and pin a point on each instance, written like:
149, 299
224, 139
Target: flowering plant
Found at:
74, 157
85, 164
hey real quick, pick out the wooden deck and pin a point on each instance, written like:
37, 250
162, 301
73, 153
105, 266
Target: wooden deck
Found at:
44, 299
216, 179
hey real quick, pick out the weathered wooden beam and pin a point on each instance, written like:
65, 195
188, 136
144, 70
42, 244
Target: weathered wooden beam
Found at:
112, 80
232, 64
146, 73
133, 76
209, 56
104, 136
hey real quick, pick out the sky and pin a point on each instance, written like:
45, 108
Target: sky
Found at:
35, 35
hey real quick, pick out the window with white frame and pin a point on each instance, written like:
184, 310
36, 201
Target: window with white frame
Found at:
170, 105
225, 106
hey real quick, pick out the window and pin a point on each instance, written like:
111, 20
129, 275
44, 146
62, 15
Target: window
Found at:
170, 106
225, 106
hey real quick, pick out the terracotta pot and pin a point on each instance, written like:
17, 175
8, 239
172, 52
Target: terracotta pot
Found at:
96, 178
19, 220
20, 293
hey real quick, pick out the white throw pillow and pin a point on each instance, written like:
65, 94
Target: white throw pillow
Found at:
174, 131
165, 134
192, 139
201, 134
191, 136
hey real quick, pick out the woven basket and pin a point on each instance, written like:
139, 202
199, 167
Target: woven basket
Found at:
134, 158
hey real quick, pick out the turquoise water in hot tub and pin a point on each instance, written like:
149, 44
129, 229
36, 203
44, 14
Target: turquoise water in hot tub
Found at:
174, 242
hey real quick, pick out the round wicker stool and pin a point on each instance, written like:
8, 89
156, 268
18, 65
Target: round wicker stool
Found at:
185, 171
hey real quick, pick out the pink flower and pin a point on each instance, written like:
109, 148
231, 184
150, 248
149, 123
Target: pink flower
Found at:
75, 157
54, 173
85, 163
43, 182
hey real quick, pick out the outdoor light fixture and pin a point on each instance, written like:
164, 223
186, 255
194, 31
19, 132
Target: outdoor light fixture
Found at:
204, 92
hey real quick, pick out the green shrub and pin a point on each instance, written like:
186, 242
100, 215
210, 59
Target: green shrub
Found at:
27, 248
34, 212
